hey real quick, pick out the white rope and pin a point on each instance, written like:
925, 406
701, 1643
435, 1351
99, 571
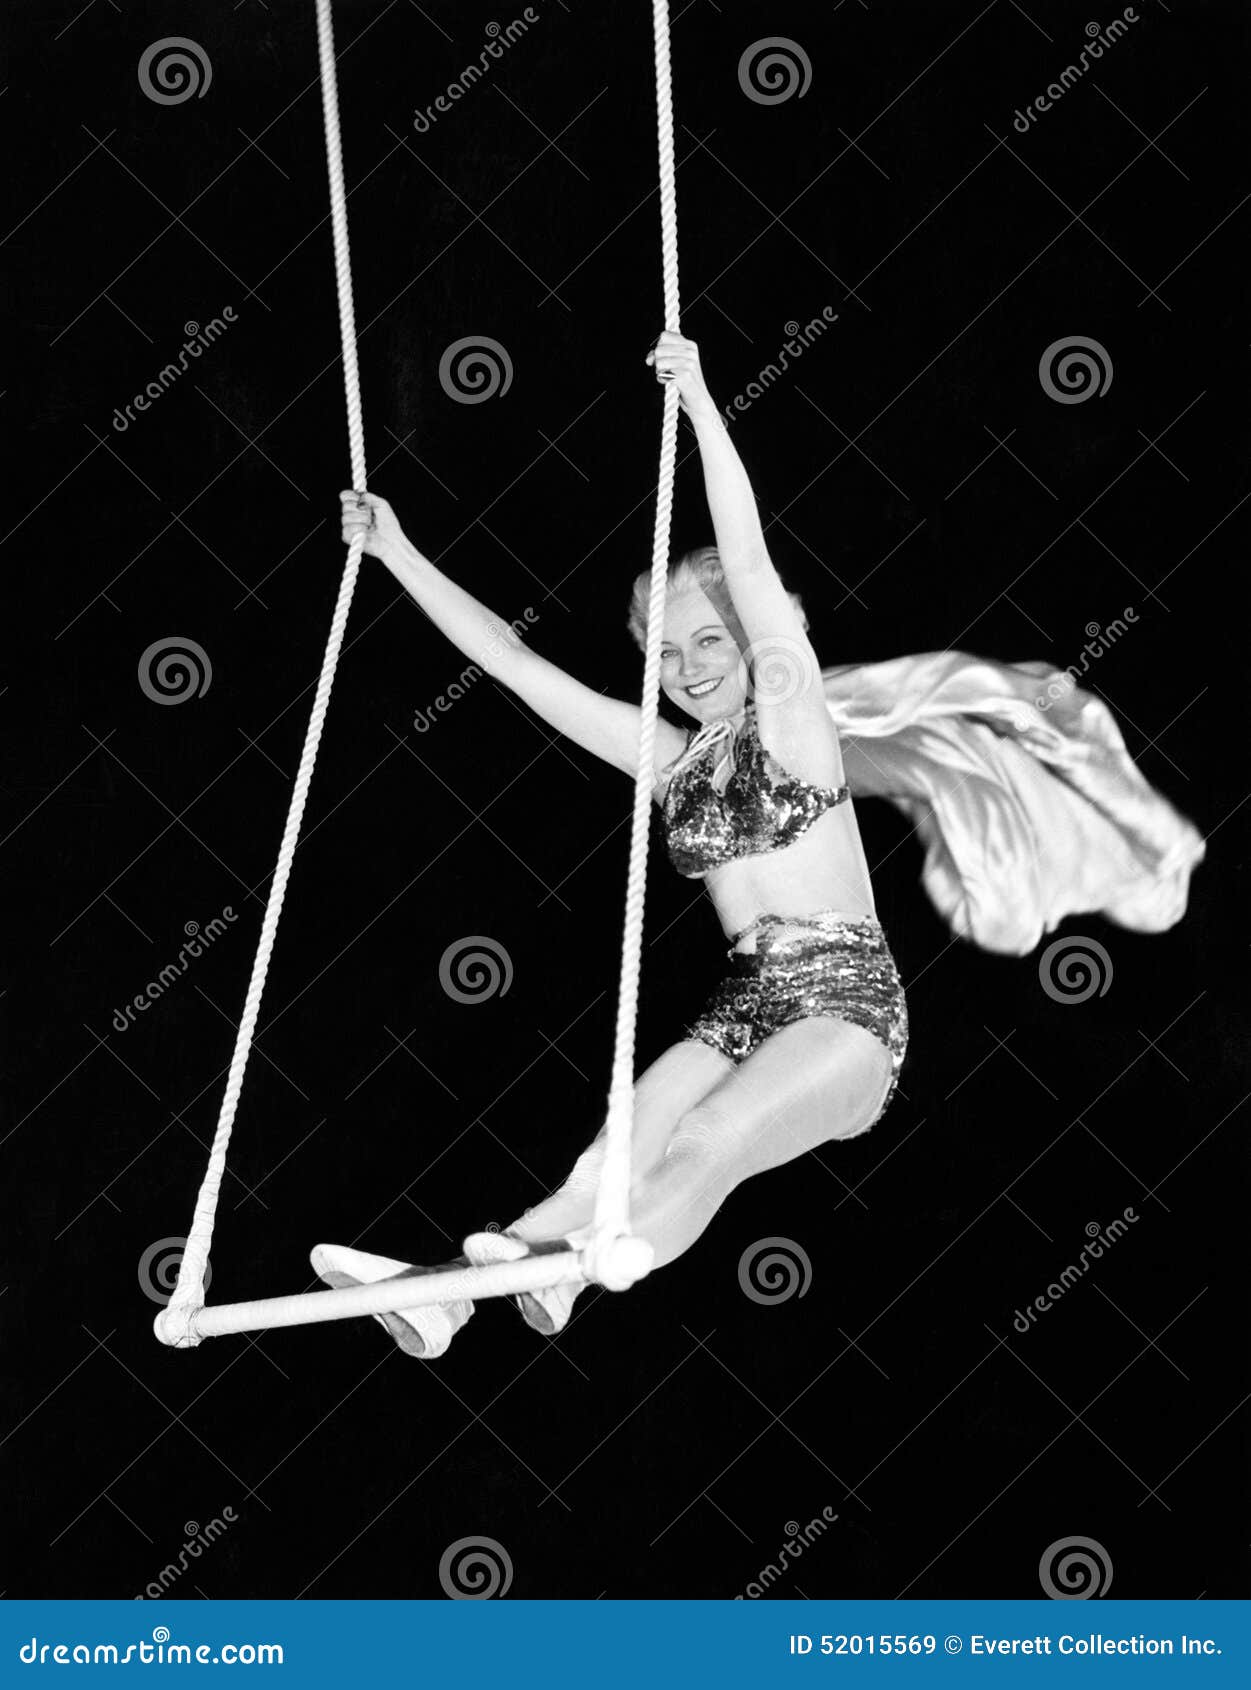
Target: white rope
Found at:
176, 1323
612, 1257
606, 1260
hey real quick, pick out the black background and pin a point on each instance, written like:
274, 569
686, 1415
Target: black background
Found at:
918, 486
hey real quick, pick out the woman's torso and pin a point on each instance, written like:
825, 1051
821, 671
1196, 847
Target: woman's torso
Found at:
823, 868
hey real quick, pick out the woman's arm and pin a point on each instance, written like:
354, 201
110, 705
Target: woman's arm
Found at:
607, 727
789, 692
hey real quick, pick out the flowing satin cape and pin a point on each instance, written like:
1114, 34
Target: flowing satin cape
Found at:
1019, 785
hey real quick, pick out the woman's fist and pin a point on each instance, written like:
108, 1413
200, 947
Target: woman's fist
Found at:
676, 359
367, 514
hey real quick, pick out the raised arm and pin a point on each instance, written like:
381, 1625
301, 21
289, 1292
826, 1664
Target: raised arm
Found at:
607, 727
789, 694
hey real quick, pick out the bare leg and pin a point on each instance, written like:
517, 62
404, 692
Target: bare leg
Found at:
674, 1083
817, 1080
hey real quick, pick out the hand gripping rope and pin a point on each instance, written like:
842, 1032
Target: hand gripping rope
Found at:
612, 1257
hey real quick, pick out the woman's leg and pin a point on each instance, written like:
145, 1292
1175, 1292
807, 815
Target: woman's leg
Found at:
674, 1083
816, 1080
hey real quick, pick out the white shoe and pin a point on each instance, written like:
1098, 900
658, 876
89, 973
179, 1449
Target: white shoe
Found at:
425, 1332
548, 1309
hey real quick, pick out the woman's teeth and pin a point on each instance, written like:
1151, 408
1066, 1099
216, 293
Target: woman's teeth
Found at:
702, 688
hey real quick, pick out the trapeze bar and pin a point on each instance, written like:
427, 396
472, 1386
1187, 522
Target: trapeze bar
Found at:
387, 1296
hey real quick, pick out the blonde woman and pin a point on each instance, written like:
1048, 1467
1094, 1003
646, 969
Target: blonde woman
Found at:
803, 1040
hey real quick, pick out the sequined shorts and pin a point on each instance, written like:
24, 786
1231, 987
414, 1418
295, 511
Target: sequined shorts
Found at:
836, 966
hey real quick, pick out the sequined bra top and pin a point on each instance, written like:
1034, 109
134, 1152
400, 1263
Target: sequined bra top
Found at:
760, 808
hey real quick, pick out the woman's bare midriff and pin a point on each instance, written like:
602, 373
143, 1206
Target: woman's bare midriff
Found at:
825, 869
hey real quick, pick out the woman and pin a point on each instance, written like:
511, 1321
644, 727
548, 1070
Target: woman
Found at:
803, 1040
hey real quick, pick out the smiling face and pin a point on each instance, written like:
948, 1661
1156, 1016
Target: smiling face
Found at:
701, 666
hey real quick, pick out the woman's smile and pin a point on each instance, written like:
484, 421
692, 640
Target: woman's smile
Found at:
701, 689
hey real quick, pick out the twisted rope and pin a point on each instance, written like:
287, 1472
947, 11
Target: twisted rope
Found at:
612, 1198
176, 1323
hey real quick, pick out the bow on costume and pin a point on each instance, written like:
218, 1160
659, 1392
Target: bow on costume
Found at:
1019, 785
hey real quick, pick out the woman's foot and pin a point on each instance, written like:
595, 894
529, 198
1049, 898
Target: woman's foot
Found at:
547, 1310
425, 1332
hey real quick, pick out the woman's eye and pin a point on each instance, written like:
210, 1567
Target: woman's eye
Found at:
710, 639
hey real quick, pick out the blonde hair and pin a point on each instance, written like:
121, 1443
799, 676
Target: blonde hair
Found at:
697, 571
